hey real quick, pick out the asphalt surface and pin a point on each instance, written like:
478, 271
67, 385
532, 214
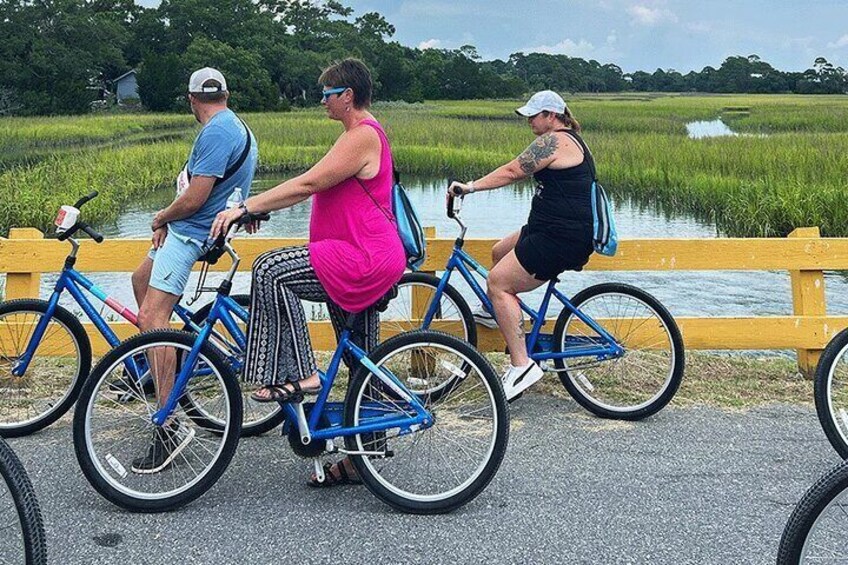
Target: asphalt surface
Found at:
689, 485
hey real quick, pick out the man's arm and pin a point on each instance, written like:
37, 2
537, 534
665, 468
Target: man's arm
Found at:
187, 203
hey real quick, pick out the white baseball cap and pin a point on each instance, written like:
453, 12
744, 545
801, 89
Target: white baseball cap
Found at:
195, 83
544, 100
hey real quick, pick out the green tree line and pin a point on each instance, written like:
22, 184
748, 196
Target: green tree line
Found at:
56, 55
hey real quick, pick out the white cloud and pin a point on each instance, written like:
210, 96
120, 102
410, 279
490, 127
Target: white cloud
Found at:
568, 47
841, 42
430, 44
699, 27
651, 16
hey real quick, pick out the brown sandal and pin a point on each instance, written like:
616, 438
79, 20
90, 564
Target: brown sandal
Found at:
335, 479
281, 393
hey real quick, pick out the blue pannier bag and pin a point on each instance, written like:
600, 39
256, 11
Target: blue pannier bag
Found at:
406, 220
604, 235
409, 226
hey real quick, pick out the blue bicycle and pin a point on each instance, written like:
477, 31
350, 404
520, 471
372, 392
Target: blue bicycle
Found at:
418, 452
617, 350
45, 353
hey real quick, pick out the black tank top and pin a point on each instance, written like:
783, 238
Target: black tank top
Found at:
563, 198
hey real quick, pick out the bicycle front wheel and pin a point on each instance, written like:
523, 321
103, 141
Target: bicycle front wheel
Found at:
22, 537
831, 392
55, 374
638, 383
127, 458
416, 292
816, 530
429, 469
258, 417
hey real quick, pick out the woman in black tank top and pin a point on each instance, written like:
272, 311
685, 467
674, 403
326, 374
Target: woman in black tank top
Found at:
558, 233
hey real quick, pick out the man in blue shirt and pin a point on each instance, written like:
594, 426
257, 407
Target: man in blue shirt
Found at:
223, 157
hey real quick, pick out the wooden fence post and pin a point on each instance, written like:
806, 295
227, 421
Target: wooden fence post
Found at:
418, 307
23, 285
808, 299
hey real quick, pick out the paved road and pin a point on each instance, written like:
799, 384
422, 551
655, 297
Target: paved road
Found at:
690, 485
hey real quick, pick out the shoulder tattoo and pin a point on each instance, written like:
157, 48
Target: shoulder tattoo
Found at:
539, 150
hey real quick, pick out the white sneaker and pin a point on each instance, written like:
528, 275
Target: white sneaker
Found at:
484, 317
518, 379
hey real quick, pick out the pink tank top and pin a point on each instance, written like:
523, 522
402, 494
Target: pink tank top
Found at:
354, 248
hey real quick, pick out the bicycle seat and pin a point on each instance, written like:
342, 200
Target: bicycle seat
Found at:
212, 255
384, 300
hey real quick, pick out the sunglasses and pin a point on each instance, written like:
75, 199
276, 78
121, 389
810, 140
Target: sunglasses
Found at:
327, 93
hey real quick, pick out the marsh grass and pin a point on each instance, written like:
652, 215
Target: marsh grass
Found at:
790, 173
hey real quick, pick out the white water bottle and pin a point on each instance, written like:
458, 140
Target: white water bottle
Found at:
235, 199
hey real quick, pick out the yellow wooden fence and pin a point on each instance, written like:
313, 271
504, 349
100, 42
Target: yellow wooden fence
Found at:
26, 254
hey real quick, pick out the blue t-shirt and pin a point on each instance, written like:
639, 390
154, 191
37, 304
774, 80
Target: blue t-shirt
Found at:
218, 146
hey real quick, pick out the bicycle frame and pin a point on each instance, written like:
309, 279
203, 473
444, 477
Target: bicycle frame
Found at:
222, 310
71, 280
539, 345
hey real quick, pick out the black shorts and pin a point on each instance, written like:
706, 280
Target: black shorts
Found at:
545, 256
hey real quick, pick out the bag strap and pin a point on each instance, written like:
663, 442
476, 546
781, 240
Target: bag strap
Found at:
233, 169
586, 151
374, 200
242, 158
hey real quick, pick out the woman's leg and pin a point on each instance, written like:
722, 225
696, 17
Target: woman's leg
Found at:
504, 246
366, 333
278, 345
365, 336
507, 279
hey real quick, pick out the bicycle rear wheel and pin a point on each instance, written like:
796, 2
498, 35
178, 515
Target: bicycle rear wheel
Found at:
831, 392
439, 468
54, 376
111, 436
816, 530
258, 417
22, 538
641, 381
416, 291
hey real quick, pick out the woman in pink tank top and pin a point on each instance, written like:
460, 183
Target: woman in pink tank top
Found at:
353, 258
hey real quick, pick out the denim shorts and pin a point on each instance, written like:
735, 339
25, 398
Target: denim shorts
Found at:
173, 262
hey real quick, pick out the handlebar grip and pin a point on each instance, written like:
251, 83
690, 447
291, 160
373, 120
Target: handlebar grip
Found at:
251, 217
90, 196
91, 233
451, 196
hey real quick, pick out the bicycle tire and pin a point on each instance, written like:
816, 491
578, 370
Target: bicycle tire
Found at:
579, 386
56, 407
391, 489
831, 417
26, 506
95, 471
802, 524
266, 421
469, 327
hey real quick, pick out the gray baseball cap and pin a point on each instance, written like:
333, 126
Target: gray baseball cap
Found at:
544, 100
200, 76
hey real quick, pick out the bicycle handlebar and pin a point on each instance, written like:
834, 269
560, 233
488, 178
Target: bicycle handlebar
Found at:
90, 196
91, 233
452, 197
218, 247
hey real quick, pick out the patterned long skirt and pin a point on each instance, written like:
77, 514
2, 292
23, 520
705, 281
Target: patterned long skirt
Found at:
278, 344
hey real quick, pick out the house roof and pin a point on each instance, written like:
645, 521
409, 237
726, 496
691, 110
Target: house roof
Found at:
126, 74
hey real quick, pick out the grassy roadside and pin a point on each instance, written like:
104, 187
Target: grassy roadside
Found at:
723, 381
730, 382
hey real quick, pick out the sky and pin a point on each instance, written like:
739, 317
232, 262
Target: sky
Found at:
634, 34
